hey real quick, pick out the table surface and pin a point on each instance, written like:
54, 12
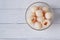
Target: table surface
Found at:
13, 23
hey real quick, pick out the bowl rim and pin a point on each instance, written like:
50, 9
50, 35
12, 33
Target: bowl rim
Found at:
26, 15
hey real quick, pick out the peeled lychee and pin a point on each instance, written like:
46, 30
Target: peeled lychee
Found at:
39, 13
48, 15
40, 19
46, 23
45, 9
37, 25
29, 20
34, 8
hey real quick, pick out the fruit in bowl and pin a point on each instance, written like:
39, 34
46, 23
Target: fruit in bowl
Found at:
39, 15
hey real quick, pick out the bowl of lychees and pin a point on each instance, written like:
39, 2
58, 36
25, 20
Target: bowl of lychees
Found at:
39, 15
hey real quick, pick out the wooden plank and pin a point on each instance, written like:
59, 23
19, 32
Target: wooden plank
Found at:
28, 39
24, 31
26, 3
12, 15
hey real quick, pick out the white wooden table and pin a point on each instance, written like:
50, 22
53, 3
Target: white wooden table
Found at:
13, 23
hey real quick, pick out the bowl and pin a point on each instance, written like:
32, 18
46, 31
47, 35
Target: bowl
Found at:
46, 23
